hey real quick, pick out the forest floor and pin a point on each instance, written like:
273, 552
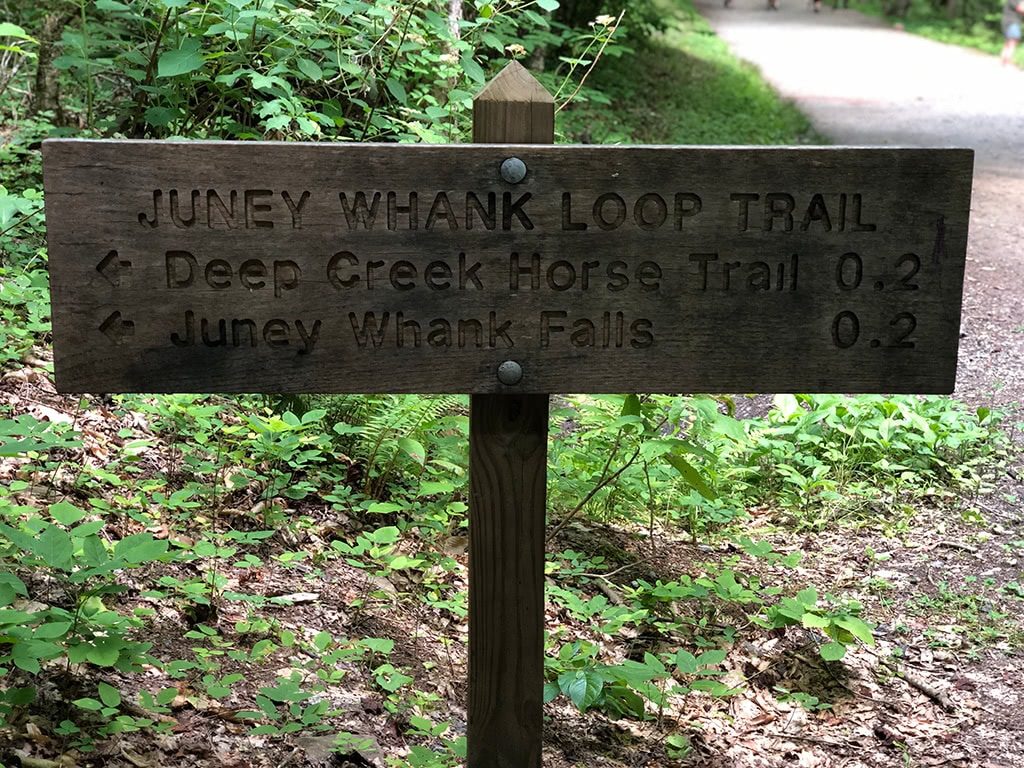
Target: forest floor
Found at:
863, 83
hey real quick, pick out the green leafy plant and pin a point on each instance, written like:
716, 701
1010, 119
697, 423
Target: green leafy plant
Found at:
351, 69
841, 625
289, 709
623, 689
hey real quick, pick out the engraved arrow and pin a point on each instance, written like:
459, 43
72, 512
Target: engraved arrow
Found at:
112, 268
117, 329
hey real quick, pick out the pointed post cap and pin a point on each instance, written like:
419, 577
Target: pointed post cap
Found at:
513, 108
514, 83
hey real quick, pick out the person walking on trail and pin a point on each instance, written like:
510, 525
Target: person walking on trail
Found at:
1013, 16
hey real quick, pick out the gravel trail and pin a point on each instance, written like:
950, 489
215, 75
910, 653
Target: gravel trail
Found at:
864, 83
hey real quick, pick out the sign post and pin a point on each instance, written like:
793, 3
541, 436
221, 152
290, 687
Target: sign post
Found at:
508, 498
509, 270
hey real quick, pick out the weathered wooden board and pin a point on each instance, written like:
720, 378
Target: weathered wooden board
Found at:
241, 267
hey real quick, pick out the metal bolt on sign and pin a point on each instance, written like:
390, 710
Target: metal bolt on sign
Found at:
513, 170
510, 372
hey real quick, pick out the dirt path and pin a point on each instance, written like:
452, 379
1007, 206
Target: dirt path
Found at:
862, 83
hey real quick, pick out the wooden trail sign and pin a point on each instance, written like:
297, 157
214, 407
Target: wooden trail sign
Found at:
239, 267
507, 270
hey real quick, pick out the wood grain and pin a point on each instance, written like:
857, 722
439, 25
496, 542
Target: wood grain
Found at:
675, 300
508, 500
508, 465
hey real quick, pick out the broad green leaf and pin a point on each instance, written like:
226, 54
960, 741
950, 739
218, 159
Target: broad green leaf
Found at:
313, 416
104, 652
473, 70
712, 687
26, 654
94, 552
384, 507
87, 529
54, 547
166, 696
551, 690
832, 651
654, 663
312, 70
808, 597
15, 617
631, 406
90, 705
633, 672
548, 5
19, 697
65, 513
397, 90
435, 487
402, 562
7, 29
140, 548
388, 534
378, 644
10, 588
711, 658
582, 687
814, 621
185, 59
278, 122
285, 692
856, 627
686, 662
414, 448
20, 539
51, 630
109, 695
691, 475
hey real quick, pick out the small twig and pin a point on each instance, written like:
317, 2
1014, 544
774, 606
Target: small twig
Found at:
957, 545
18, 222
593, 492
593, 64
290, 758
394, 59
603, 481
919, 685
610, 593
147, 81
626, 567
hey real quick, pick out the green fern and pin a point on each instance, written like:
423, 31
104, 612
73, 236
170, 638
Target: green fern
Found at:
387, 429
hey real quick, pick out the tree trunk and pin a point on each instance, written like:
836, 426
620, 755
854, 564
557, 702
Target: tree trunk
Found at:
46, 93
454, 17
